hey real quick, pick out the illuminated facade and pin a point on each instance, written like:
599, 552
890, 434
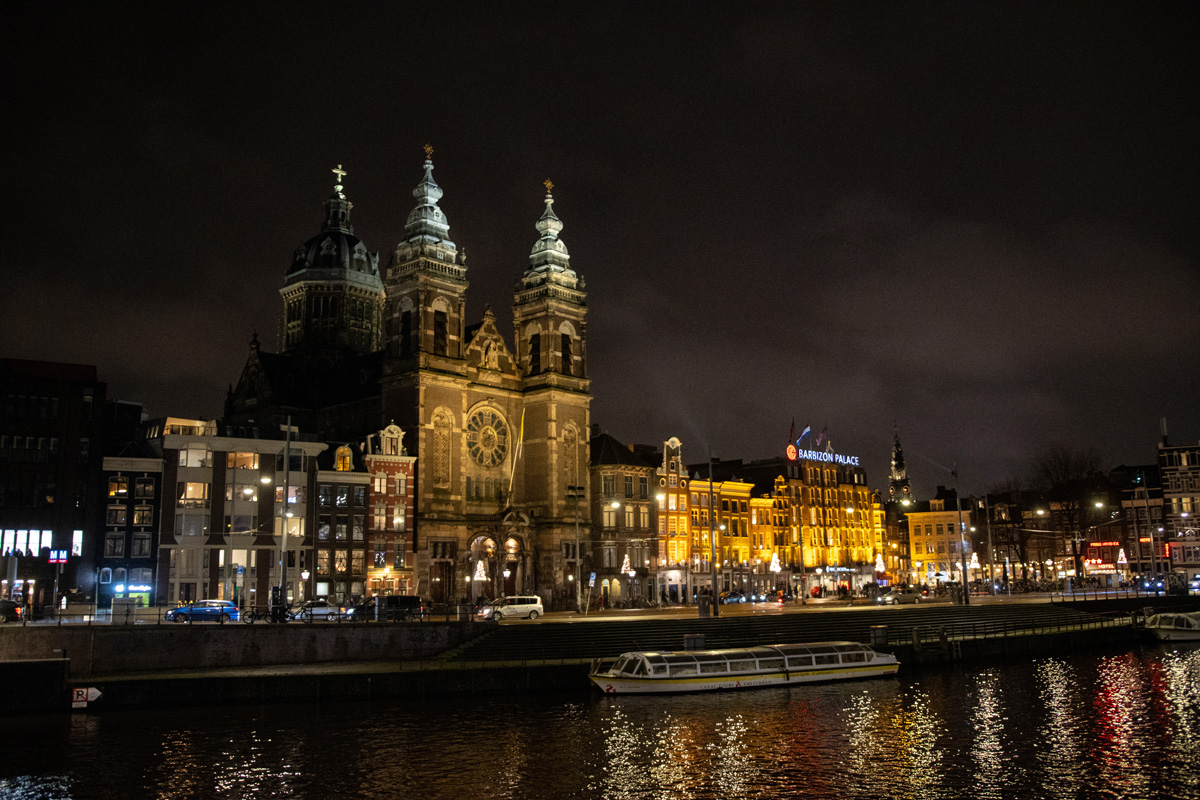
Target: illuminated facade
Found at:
624, 548
935, 540
823, 525
1179, 470
500, 432
337, 562
392, 474
222, 528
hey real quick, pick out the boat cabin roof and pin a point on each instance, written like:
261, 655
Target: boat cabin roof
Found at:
747, 653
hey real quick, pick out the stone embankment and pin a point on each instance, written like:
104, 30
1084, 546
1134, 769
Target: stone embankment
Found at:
212, 664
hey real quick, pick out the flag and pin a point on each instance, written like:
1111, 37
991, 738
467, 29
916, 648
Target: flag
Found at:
821, 435
807, 430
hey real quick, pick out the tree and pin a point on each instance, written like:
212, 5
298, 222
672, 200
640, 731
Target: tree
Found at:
1069, 479
1009, 505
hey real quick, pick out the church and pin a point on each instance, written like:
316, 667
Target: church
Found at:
499, 430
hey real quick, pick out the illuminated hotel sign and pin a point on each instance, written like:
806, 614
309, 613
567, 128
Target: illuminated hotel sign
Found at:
794, 453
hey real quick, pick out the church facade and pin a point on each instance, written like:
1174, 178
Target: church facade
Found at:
499, 430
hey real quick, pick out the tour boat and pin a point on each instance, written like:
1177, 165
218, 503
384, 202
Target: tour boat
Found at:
1174, 627
645, 672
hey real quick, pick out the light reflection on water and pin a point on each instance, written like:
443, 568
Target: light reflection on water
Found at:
1085, 726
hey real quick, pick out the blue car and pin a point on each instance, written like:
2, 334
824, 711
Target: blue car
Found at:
204, 611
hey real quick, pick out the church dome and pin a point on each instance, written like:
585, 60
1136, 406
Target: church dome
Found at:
335, 250
335, 247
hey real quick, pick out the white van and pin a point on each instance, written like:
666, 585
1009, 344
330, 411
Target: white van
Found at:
523, 606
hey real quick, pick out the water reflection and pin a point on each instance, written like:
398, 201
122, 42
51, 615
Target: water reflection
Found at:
1060, 742
994, 771
1051, 727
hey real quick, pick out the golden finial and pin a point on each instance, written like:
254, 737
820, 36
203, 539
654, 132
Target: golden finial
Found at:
548, 185
429, 151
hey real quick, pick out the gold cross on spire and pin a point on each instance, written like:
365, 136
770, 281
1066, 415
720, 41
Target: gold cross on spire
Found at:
341, 173
547, 183
429, 151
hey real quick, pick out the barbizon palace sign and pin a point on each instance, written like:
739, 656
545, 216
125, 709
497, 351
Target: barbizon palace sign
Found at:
795, 453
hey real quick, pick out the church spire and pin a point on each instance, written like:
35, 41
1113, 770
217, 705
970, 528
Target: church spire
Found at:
337, 207
427, 221
549, 252
898, 486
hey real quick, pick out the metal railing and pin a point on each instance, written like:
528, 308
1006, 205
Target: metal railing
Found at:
999, 629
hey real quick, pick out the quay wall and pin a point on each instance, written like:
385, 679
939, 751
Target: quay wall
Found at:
110, 650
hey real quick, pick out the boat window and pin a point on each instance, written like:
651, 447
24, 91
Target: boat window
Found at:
853, 658
821, 649
792, 650
744, 665
770, 663
825, 658
799, 661
641, 668
712, 666
658, 669
683, 669
680, 658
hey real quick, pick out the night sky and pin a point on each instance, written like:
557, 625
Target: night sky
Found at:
975, 220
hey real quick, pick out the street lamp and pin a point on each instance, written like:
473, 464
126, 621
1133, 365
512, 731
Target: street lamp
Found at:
576, 493
712, 540
962, 541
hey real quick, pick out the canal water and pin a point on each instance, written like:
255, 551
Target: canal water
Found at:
1123, 725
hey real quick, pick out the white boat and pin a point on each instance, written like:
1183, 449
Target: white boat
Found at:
1174, 626
742, 668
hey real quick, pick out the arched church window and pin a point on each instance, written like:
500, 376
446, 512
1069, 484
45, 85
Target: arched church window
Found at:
441, 448
571, 457
405, 333
440, 333
535, 354
566, 354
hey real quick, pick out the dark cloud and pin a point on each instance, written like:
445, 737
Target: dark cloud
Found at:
970, 219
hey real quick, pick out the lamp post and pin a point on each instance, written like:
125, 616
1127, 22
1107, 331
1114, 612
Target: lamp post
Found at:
712, 540
803, 569
577, 493
962, 540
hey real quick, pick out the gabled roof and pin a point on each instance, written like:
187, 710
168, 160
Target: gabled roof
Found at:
608, 451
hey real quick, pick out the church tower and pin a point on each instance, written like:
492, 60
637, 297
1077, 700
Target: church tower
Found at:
550, 326
899, 490
333, 297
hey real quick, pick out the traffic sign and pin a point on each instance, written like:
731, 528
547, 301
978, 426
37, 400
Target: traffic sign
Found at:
81, 696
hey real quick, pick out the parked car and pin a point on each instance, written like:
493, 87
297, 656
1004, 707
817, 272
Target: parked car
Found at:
527, 606
10, 611
733, 597
389, 607
318, 610
906, 594
204, 611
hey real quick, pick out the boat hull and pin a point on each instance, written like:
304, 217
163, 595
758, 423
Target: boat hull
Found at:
1173, 628
610, 684
1174, 635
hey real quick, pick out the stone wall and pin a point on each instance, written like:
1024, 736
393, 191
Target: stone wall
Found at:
115, 650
